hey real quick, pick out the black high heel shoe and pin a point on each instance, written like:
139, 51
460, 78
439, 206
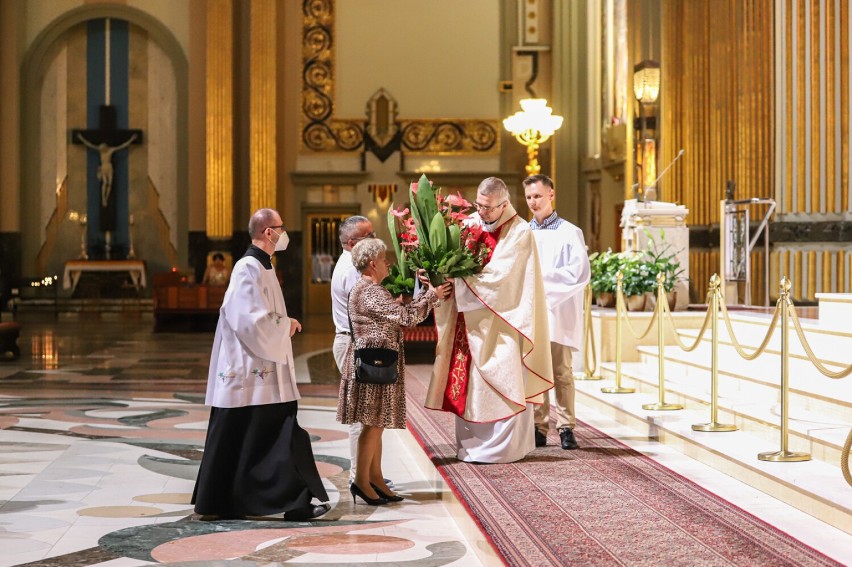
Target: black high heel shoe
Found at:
355, 491
386, 496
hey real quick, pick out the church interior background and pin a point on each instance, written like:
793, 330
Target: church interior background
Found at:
137, 136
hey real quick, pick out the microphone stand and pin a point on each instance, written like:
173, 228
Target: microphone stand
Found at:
652, 186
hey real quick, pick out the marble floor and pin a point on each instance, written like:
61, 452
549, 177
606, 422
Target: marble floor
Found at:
102, 422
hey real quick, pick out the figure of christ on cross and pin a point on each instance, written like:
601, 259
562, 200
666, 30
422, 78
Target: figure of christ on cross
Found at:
107, 140
105, 170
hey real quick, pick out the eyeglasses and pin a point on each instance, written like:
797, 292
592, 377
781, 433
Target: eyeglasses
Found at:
486, 209
360, 238
279, 227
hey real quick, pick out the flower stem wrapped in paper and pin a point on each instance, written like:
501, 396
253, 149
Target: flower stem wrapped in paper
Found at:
436, 238
400, 280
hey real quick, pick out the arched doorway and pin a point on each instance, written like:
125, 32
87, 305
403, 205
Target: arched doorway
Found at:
91, 57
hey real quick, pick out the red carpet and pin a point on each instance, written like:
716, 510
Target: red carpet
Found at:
604, 504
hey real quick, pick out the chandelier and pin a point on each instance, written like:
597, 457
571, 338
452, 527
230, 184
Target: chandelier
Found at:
533, 126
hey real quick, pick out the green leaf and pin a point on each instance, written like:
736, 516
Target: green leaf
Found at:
426, 199
455, 236
422, 235
438, 235
400, 259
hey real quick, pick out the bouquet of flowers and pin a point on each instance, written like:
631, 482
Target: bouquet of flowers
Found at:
434, 238
400, 280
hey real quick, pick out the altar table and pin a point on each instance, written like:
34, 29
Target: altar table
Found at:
74, 268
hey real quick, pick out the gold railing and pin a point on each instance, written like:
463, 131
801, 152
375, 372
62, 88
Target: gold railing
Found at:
590, 359
844, 458
785, 311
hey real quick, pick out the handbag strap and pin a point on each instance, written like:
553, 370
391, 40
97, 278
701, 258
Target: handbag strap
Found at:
351, 331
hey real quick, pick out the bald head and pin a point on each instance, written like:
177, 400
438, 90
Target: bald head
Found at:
261, 220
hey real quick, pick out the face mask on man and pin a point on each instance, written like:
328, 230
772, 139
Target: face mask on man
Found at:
283, 241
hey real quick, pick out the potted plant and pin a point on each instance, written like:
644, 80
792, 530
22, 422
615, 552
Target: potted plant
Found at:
638, 278
662, 260
605, 266
639, 275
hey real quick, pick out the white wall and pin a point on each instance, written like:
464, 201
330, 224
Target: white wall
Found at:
455, 45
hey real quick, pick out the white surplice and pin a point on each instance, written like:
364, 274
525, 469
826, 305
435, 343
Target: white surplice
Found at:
252, 359
565, 271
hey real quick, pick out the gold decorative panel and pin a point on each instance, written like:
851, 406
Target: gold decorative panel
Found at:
717, 102
262, 103
815, 103
220, 146
322, 132
812, 271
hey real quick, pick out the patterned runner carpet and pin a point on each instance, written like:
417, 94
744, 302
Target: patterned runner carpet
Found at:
605, 504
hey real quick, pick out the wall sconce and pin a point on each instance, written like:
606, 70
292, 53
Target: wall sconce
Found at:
646, 89
646, 81
533, 126
382, 193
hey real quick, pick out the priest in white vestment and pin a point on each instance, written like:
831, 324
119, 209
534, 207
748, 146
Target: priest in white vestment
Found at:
493, 357
257, 460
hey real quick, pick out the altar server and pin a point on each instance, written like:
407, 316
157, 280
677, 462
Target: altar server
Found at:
565, 269
257, 459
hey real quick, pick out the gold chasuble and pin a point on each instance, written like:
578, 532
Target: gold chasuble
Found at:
493, 354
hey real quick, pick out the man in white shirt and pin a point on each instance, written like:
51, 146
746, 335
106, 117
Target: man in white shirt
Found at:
566, 271
353, 230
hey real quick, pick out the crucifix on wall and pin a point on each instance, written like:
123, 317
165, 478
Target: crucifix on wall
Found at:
107, 137
107, 140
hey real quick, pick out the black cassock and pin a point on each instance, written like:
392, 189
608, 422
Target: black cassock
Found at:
257, 461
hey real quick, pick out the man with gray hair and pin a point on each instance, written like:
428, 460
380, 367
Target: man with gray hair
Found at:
257, 459
352, 231
493, 359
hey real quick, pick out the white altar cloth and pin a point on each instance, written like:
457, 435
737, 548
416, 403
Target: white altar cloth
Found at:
74, 268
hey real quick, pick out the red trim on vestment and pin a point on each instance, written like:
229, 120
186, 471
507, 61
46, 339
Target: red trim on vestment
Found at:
523, 358
455, 393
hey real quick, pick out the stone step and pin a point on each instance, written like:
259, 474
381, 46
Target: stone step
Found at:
815, 487
758, 380
829, 343
835, 310
741, 404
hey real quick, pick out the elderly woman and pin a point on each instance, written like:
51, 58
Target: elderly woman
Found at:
377, 321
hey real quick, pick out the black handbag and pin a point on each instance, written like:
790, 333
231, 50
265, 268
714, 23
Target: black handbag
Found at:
373, 365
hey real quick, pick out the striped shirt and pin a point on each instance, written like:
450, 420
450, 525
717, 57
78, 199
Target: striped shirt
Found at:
552, 222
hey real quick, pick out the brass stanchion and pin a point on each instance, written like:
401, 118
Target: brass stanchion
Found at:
784, 456
588, 341
619, 306
715, 295
661, 404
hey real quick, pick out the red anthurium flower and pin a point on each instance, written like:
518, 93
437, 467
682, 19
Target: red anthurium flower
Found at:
458, 201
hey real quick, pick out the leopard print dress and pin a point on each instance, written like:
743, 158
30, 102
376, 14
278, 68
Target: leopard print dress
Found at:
377, 320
